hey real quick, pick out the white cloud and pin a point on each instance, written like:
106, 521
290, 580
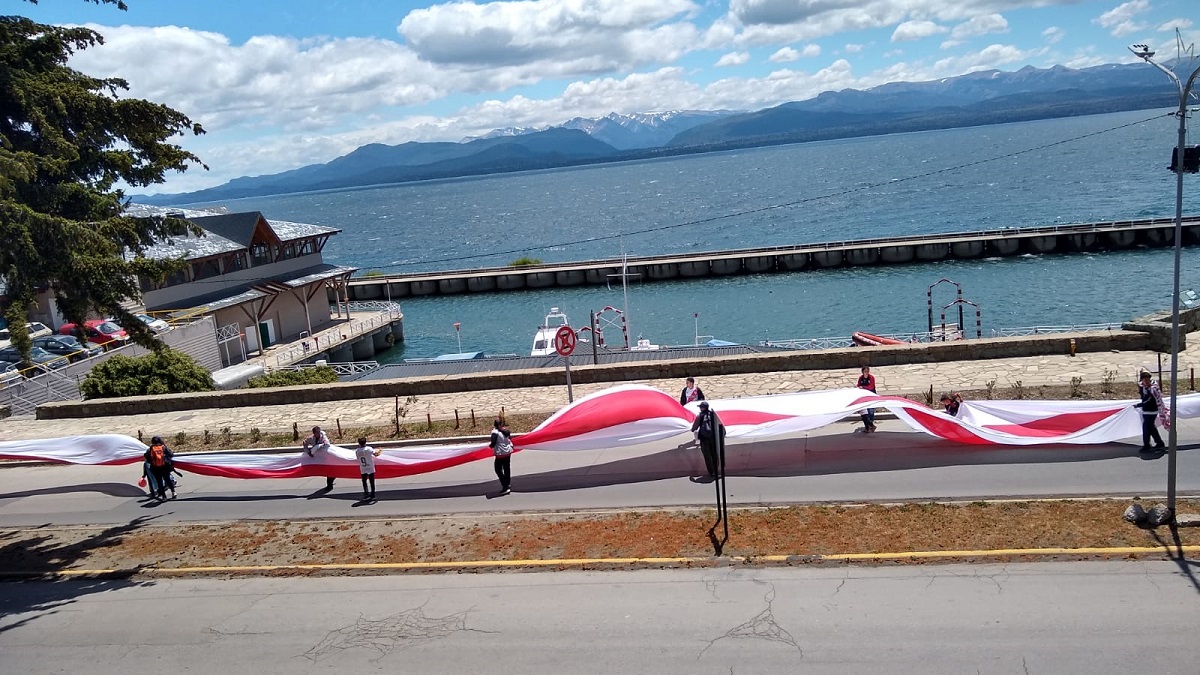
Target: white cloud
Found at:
267, 80
733, 59
611, 32
916, 30
1181, 24
990, 57
984, 24
784, 55
762, 22
1121, 20
1053, 35
854, 48
789, 54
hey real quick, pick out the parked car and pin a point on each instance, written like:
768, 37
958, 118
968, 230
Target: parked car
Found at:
68, 346
156, 325
35, 330
37, 355
9, 374
101, 331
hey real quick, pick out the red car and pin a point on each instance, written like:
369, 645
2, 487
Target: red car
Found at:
100, 331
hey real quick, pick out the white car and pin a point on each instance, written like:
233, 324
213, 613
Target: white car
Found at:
156, 325
9, 374
35, 329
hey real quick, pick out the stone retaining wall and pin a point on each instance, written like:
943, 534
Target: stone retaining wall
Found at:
1158, 327
962, 350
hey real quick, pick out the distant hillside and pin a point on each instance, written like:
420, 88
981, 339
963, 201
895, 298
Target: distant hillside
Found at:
990, 97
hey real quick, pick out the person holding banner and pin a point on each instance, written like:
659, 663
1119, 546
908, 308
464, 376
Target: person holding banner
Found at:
690, 392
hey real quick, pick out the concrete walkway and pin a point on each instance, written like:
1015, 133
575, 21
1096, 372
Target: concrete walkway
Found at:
1031, 372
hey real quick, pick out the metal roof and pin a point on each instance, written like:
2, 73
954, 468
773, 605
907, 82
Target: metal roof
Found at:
318, 273
224, 232
428, 368
261, 288
286, 230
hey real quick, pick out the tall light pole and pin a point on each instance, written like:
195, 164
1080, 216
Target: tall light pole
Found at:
1146, 54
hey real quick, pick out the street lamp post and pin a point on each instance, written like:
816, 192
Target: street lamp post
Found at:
1144, 53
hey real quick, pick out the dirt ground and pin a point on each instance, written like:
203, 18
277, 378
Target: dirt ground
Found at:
791, 531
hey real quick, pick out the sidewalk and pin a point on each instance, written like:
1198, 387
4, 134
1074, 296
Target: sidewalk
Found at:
903, 379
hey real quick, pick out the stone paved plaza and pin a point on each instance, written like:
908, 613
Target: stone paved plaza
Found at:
903, 379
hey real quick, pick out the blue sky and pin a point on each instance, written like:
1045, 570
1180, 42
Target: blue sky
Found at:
285, 83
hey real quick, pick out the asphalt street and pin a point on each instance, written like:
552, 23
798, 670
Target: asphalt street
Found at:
834, 464
1081, 617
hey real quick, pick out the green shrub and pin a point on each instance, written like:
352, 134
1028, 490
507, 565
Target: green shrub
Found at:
525, 262
291, 378
166, 371
369, 274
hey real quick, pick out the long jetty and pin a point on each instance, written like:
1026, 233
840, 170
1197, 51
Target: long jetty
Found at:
1117, 235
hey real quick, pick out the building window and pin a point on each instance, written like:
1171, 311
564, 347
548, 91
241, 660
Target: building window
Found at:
260, 254
306, 247
206, 269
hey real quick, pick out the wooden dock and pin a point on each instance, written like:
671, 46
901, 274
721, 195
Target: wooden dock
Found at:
1117, 235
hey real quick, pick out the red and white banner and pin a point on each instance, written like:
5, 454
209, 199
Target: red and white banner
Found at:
631, 415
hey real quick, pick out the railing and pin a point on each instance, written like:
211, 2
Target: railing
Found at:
24, 396
343, 369
951, 333
334, 336
1045, 330
371, 306
810, 343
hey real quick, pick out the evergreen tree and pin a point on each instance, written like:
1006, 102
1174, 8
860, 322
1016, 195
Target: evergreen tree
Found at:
69, 144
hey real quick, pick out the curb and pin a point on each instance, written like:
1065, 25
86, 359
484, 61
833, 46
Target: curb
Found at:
584, 563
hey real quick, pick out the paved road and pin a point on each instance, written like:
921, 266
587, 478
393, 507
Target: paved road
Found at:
1103, 617
831, 464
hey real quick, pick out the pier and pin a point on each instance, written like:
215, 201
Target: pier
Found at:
1117, 235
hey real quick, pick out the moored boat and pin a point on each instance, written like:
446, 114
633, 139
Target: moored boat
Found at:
543, 339
867, 340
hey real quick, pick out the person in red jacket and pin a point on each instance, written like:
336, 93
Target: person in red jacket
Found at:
867, 381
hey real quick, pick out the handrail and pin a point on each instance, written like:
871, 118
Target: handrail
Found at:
341, 368
936, 336
1044, 330
329, 340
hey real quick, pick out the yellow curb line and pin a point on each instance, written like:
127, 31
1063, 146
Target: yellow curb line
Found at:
578, 562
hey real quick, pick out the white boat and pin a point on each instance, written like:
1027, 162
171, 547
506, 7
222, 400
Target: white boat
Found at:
643, 345
543, 340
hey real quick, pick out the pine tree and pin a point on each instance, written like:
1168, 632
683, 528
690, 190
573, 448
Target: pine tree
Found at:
69, 145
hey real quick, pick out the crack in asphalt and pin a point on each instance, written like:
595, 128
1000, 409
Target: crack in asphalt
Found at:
214, 630
843, 583
407, 628
762, 627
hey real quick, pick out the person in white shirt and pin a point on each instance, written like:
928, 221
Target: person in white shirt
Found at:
690, 392
366, 466
318, 442
502, 448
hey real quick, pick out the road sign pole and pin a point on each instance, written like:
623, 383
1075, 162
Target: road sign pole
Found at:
570, 395
564, 344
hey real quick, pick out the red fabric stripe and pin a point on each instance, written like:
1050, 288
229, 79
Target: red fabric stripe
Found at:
1056, 425
946, 428
335, 470
739, 417
602, 412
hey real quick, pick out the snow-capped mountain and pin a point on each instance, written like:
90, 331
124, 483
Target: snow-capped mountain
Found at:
504, 133
642, 130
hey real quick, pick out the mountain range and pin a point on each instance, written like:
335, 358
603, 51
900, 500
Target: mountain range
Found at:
987, 97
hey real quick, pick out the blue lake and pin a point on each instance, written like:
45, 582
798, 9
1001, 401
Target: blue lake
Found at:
1095, 168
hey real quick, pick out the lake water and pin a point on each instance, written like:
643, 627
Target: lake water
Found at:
1096, 168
